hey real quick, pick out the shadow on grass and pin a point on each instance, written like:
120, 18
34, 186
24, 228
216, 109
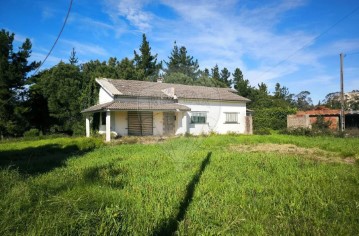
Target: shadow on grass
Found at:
38, 160
170, 226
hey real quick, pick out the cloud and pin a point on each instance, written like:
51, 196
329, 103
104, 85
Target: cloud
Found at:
132, 11
87, 49
48, 12
95, 27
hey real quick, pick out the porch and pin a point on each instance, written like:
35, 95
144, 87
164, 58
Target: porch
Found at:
137, 119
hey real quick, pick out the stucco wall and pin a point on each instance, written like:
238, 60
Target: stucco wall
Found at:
104, 96
216, 117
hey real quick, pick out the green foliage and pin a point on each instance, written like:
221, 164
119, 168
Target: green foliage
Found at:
32, 133
298, 131
62, 86
14, 67
225, 77
302, 101
262, 131
240, 84
115, 191
73, 60
215, 73
146, 62
181, 62
321, 123
271, 118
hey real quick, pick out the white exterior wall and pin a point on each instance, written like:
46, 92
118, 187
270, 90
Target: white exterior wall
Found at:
157, 123
104, 96
118, 123
216, 117
121, 123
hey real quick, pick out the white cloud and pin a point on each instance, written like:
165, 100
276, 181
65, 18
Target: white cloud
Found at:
242, 34
88, 49
132, 11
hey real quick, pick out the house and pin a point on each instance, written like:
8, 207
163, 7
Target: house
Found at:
131, 107
305, 119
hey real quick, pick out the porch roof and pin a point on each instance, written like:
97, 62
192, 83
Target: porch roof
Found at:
126, 106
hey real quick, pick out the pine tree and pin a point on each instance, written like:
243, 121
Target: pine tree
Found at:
181, 62
146, 62
73, 59
225, 74
240, 84
215, 73
14, 68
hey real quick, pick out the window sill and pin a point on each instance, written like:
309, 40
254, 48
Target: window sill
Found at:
231, 123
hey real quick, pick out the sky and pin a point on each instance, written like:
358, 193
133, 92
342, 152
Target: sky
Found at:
292, 42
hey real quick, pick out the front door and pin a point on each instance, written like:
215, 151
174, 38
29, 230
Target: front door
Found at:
169, 119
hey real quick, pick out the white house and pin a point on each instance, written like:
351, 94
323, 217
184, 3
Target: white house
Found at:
132, 107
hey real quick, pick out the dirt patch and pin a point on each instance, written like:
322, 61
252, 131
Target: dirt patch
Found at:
311, 153
140, 139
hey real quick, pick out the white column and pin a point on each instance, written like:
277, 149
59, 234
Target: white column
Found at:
88, 126
108, 126
184, 122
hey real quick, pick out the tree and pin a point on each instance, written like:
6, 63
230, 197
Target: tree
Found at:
73, 59
181, 62
224, 76
62, 86
215, 73
303, 101
14, 67
282, 93
146, 62
240, 84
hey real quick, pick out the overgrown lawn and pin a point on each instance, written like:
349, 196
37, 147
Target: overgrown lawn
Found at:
196, 185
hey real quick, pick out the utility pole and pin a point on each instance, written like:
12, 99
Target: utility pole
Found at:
342, 115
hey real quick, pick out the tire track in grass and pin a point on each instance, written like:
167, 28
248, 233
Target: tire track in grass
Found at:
170, 226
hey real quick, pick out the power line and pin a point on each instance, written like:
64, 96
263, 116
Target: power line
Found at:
311, 41
53, 46
58, 36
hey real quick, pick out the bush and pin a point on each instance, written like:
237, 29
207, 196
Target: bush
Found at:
271, 118
262, 131
297, 131
32, 133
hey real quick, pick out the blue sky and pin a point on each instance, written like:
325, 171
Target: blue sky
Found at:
270, 41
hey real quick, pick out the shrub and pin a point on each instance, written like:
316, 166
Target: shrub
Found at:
271, 118
32, 133
262, 131
298, 131
321, 123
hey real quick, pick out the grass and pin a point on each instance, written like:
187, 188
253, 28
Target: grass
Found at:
184, 185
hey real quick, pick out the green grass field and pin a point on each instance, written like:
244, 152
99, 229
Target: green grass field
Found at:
227, 185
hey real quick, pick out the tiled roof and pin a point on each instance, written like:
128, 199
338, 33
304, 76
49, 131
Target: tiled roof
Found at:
126, 106
154, 89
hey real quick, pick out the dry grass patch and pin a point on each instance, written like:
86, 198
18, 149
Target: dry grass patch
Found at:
311, 153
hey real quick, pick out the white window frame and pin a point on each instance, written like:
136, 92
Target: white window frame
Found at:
199, 114
231, 117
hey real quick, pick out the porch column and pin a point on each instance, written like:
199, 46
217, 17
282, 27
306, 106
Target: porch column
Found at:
88, 126
108, 126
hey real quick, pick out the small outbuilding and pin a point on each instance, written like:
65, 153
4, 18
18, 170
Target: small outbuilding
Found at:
305, 119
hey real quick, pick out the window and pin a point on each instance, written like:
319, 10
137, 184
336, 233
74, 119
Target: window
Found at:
103, 118
232, 117
198, 117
